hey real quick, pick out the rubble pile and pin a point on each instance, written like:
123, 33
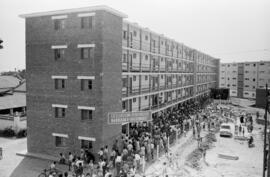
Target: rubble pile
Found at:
193, 159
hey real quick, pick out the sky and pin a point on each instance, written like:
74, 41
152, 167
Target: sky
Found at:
232, 30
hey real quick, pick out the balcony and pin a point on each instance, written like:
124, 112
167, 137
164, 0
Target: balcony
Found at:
124, 67
155, 68
162, 87
146, 67
124, 91
145, 88
154, 106
154, 87
134, 90
144, 107
135, 67
162, 68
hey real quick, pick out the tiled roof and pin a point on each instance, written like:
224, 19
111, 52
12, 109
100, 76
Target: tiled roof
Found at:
8, 82
13, 101
21, 88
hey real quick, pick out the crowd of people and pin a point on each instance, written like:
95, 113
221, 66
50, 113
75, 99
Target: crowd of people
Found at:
131, 152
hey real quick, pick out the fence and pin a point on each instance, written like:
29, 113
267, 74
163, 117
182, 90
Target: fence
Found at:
16, 123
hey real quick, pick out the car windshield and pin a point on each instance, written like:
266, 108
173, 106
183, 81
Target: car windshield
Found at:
225, 127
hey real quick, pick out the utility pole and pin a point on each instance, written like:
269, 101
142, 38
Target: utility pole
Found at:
265, 132
266, 112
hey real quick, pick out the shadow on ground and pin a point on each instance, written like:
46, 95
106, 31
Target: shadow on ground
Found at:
32, 167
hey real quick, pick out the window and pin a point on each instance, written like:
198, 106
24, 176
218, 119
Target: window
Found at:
161, 76
154, 43
60, 141
86, 22
134, 33
247, 64
85, 53
134, 100
254, 87
86, 144
146, 37
59, 84
124, 105
234, 78
247, 86
254, 80
59, 54
254, 65
146, 57
134, 55
145, 97
86, 84
145, 77
262, 64
134, 78
59, 24
246, 79
124, 58
59, 112
86, 114
124, 34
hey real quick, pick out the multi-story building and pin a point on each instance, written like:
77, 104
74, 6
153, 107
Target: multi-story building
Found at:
244, 78
228, 77
84, 63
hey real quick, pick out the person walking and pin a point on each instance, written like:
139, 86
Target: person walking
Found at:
204, 154
240, 129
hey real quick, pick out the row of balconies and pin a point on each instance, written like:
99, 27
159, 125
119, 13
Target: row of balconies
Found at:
154, 68
156, 101
167, 51
146, 88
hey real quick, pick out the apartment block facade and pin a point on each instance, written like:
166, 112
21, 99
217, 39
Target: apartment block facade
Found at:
244, 78
84, 63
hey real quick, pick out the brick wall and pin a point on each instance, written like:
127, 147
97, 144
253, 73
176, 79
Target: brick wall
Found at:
40, 66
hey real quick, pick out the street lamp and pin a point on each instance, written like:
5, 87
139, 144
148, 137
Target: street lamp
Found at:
1, 41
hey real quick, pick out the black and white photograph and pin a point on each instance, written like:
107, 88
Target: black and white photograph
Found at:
134, 88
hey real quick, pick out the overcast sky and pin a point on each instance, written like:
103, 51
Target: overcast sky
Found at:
232, 30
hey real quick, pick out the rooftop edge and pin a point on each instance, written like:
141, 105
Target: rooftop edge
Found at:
74, 10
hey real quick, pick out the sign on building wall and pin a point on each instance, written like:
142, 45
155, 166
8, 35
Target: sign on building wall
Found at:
124, 117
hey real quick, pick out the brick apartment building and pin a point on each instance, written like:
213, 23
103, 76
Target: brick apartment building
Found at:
244, 78
83, 63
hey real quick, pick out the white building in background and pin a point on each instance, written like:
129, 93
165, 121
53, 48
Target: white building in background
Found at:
244, 78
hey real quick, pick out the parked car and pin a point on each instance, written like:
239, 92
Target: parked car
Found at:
225, 130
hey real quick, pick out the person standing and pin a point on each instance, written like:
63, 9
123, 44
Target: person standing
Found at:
204, 153
70, 159
240, 129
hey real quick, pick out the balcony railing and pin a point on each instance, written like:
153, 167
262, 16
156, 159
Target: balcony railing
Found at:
135, 67
145, 67
124, 67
